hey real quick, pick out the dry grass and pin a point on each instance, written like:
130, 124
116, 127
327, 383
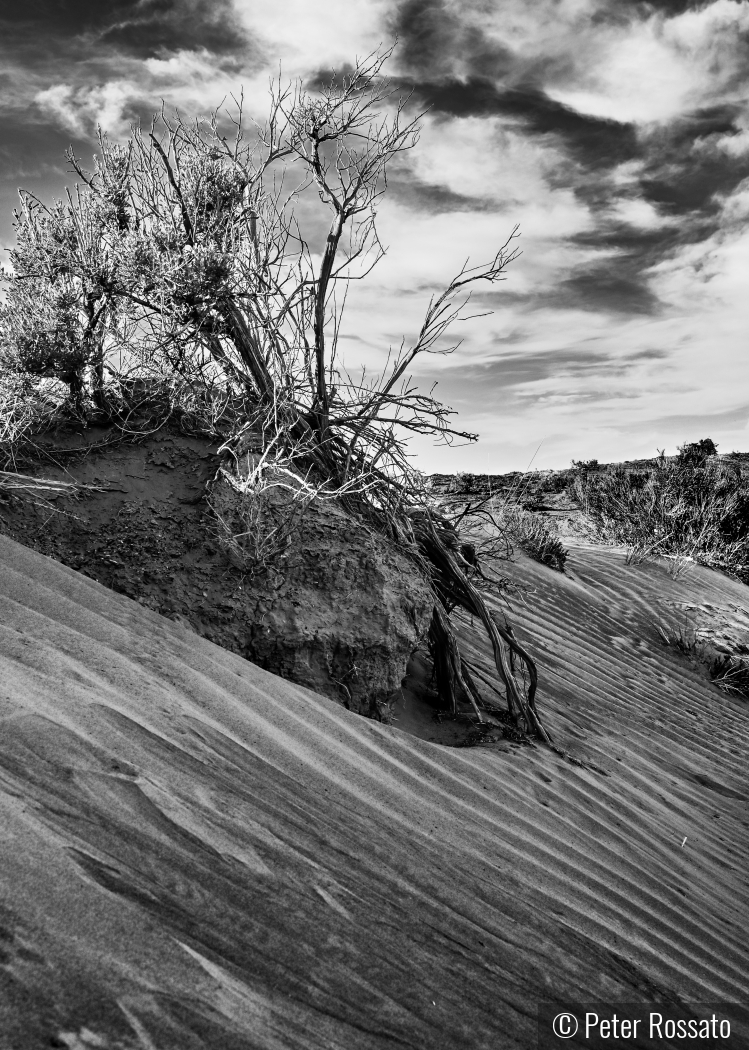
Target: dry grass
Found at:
730, 673
258, 517
259, 506
685, 511
26, 410
534, 534
682, 635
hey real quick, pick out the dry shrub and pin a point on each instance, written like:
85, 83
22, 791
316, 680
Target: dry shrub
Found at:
690, 509
260, 501
27, 408
258, 514
534, 534
682, 636
729, 672
489, 526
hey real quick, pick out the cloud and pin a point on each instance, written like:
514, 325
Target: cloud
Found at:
616, 134
434, 198
593, 141
614, 286
138, 28
191, 81
434, 37
613, 113
667, 7
304, 36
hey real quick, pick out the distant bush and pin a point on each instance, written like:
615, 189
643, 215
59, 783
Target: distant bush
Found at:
688, 507
697, 453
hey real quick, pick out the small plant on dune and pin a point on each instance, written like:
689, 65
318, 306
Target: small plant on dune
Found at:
192, 252
535, 535
692, 508
681, 635
731, 674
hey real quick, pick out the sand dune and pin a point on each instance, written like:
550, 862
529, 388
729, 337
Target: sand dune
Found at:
194, 853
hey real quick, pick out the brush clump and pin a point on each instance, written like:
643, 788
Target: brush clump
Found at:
691, 508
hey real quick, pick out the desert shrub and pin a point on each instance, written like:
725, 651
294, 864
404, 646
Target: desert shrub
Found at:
490, 527
256, 522
728, 671
691, 506
536, 536
258, 507
696, 453
26, 408
681, 635
731, 674
466, 484
194, 252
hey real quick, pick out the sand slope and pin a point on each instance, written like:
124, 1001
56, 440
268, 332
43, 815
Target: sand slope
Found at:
194, 853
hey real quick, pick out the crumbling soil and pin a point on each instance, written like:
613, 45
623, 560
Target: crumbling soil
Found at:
340, 612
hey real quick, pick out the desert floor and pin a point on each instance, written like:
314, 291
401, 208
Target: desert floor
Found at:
195, 853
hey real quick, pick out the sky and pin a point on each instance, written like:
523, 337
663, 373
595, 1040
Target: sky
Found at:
613, 133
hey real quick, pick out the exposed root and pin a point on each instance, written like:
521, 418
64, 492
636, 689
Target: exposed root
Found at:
439, 546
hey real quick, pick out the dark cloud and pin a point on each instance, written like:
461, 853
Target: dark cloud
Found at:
636, 250
684, 172
70, 19
615, 282
693, 187
432, 38
686, 178
631, 239
425, 31
507, 372
686, 175
433, 198
624, 11
666, 7
687, 171
592, 141
139, 28
648, 355
689, 180
516, 369
614, 285
704, 123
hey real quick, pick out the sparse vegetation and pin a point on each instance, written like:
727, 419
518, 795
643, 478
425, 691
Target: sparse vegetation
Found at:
692, 508
731, 674
491, 523
728, 672
681, 635
534, 534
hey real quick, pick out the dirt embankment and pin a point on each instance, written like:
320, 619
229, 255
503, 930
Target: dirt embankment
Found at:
341, 614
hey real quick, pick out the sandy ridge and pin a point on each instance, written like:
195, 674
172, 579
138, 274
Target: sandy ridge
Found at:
196, 853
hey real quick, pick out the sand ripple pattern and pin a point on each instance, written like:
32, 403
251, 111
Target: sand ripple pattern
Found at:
194, 853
